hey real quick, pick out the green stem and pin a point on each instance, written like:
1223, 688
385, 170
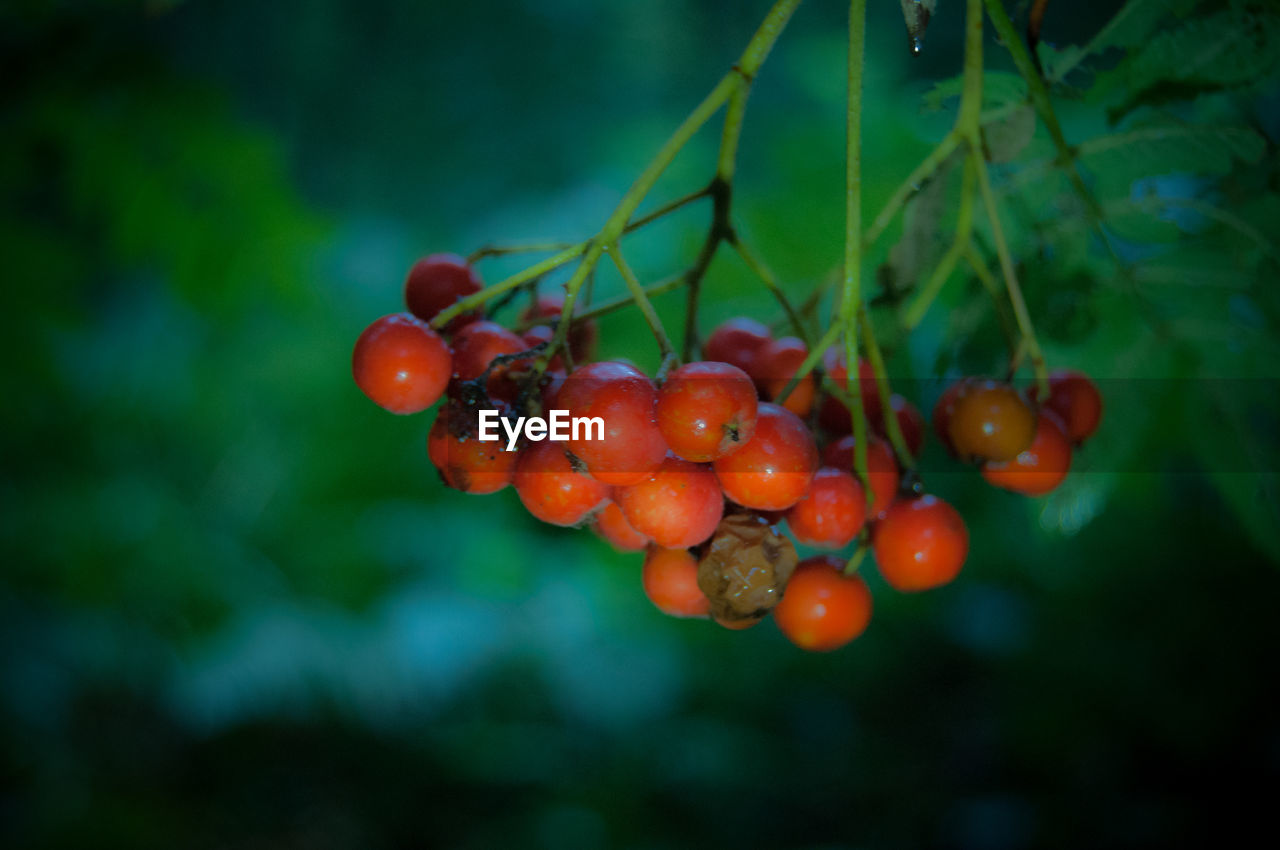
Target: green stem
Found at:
668, 208
485, 251
726, 162
1019, 304
809, 363
964, 230
762, 271
488, 293
989, 283
891, 427
675, 281
910, 186
969, 119
642, 301
851, 297
756, 51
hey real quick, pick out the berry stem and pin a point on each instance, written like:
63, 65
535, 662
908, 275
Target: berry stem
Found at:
964, 231
668, 208
490, 292
1020, 313
851, 298
988, 280
665, 285
810, 361
855, 560
910, 186
485, 251
766, 276
752, 58
891, 427
720, 191
989, 283
642, 301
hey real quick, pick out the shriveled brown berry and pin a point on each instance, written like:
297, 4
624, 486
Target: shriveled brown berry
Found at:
744, 569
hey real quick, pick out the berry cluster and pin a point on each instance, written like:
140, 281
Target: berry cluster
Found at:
700, 468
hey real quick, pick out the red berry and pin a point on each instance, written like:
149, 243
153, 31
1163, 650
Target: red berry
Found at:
582, 335
920, 543
475, 347
991, 421
1077, 402
435, 283
882, 469
466, 462
774, 469
670, 580
552, 489
1041, 467
679, 506
822, 609
707, 410
833, 415
833, 512
612, 526
737, 342
401, 364
776, 364
625, 398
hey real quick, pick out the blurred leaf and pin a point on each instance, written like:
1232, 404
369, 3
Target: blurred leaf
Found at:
1234, 47
1162, 146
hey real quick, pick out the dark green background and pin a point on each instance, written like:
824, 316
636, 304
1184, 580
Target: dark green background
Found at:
239, 610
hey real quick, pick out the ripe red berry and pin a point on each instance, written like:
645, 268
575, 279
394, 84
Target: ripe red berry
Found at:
582, 335
670, 579
475, 347
776, 363
707, 410
920, 543
882, 469
465, 462
625, 398
1077, 402
612, 526
833, 512
772, 471
679, 506
401, 364
822, 609
991, 421
552, 489
833, 415
435, 283
1041, 467
737, 342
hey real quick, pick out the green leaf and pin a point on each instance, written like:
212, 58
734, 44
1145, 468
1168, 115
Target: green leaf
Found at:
1165, 147
1136, 21
1000, 89
1232, 48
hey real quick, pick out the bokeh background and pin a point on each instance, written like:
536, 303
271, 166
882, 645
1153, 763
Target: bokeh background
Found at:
238, 609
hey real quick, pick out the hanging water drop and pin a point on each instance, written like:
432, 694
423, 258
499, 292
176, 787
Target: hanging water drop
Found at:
917, 14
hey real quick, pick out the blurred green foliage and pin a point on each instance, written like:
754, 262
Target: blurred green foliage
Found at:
239, 610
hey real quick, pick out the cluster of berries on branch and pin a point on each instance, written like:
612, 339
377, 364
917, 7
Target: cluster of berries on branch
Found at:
701, 468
